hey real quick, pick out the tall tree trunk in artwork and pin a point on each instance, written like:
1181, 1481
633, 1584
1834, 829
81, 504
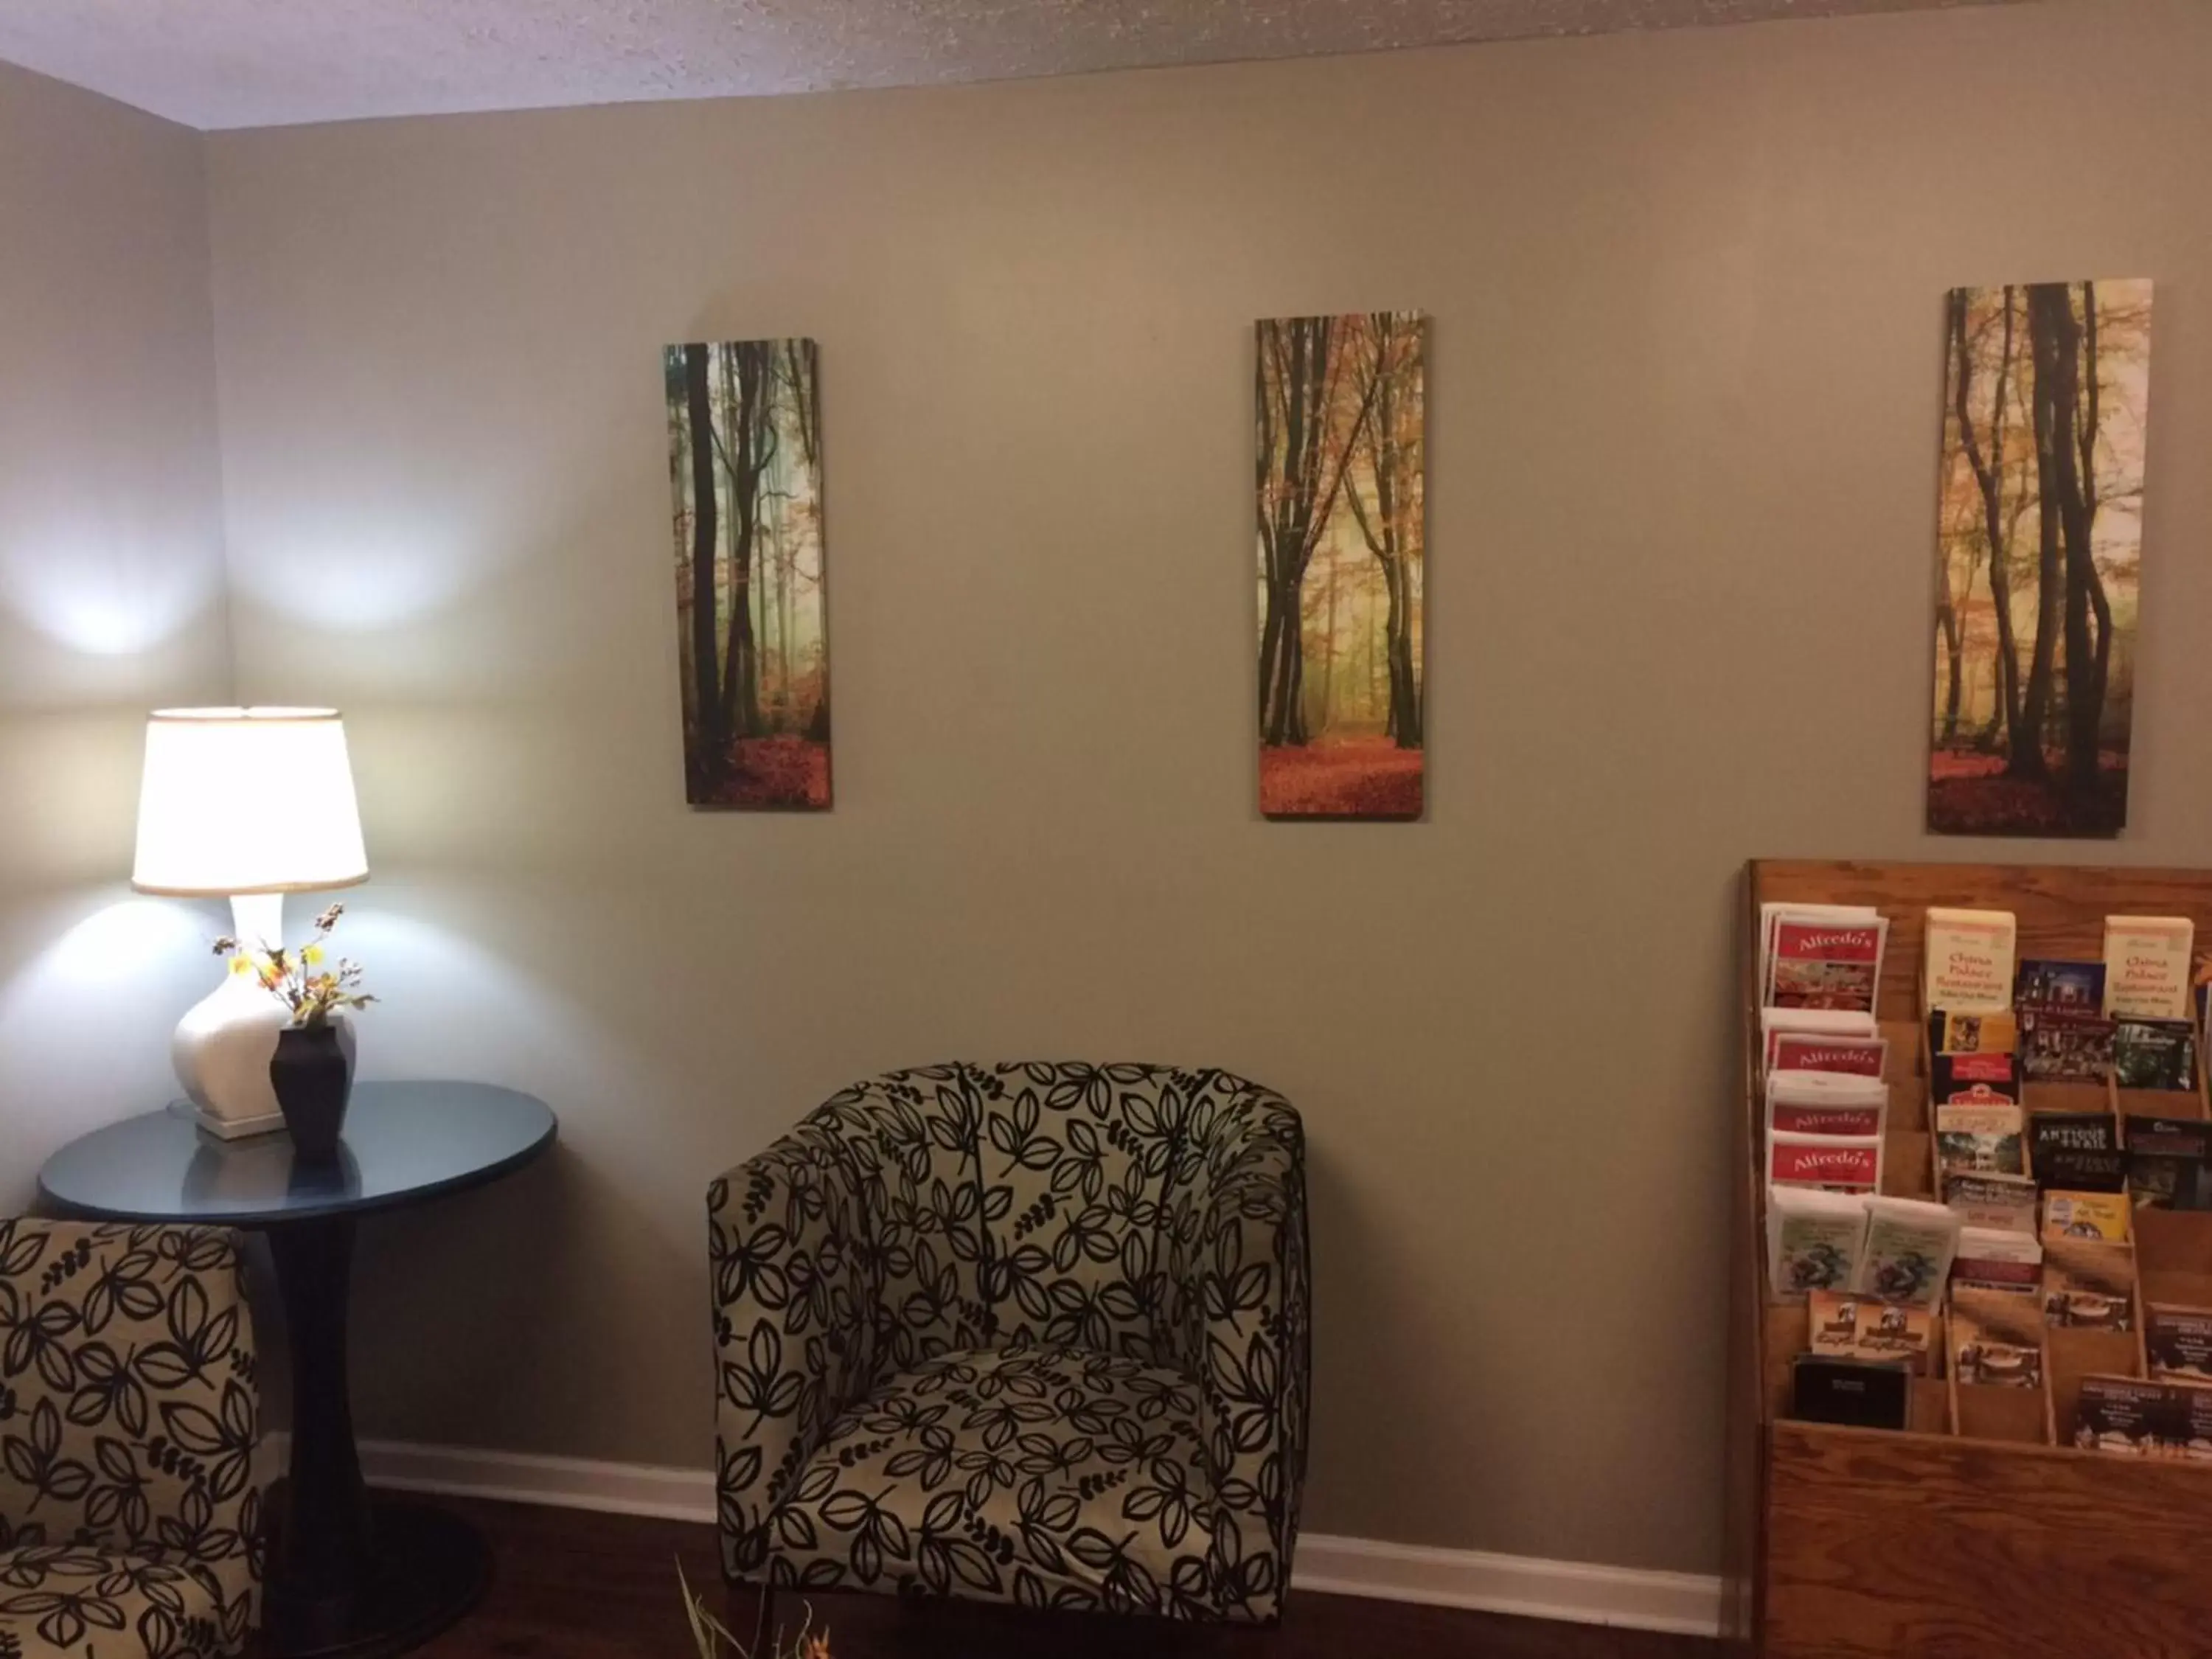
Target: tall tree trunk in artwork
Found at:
1301, 733
1988, 477
1400, 727
773, 693
1329, 656
1303, 451
747, 451
1411, 724
799, 359
738, 569
787, 553
1381, 424
1996, 733
2043, 341
2084, 699
1295, 356
1947, 623
802, 369
1267, 485
2093, 406
711, 733
1385, 530
679, 471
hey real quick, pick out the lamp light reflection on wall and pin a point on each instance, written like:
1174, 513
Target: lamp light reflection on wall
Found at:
247, 804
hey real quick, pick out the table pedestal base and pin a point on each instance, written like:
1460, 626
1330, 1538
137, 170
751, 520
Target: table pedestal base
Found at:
425, 1568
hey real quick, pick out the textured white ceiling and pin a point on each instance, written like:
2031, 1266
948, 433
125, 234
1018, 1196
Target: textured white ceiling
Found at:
262, 62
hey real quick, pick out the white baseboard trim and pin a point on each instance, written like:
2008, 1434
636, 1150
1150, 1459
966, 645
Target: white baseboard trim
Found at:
1581, 1592
569, 1483
1685, 1603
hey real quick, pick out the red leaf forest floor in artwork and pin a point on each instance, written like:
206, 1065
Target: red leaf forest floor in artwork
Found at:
1969, 795
771, 772
1353, 778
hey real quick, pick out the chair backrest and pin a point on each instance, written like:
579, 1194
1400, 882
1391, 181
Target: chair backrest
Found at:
912, 1140
1038, 1203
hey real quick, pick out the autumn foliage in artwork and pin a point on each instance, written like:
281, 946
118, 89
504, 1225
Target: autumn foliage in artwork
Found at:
744, 465
1341, 545
2039, 558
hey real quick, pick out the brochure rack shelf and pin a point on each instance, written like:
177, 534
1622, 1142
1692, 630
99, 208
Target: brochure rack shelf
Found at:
1981, 1530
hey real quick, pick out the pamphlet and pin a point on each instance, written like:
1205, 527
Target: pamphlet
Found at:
1825, 963
2088, 1285
2077, 1151
1807, 1051
1826, 1103
2154, 1054
1996, 1341
1996, 1203
2130, 1417
2178, 1342
1844, 1164
1852, 1326
1975, 1079
1980, 1139
2087, 1215
1987, 1031
2045, 983
2147, 966
1967, 960
2169, 1162
1908, 1247
2064, 1045
2011, 1263
1814, 1240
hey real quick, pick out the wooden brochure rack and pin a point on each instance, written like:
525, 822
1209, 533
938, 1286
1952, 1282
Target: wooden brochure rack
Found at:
1982, 1530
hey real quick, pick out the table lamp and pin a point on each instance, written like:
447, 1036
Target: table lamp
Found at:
247, 804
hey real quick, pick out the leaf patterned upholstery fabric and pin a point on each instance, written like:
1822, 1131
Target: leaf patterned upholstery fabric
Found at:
1031, 1333
129, 1520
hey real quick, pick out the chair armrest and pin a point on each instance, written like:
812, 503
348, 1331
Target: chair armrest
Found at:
1255, 1371
794, 1325
127, 1369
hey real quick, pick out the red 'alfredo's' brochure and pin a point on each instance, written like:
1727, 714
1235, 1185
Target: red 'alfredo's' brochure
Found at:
1807, 1051
1826, 1103
1824, 963
1833, 1162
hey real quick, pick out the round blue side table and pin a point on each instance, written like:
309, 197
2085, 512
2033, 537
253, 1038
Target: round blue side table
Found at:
350, 1572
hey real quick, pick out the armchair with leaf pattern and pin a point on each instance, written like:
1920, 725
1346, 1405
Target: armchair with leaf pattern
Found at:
129, 1518
1033, 1333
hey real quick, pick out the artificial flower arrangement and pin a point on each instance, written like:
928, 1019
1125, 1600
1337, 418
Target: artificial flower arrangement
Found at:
302, 980
711, 1636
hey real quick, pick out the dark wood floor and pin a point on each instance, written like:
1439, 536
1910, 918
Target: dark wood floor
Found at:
574, 1585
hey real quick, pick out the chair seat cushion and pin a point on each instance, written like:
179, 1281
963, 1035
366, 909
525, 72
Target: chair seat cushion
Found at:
79, 1601
1046, 1476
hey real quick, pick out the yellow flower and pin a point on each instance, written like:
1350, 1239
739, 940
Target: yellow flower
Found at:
239, 965
312, 954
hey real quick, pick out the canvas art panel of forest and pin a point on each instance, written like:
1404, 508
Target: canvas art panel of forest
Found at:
1342, 543
2039, 557
744, 465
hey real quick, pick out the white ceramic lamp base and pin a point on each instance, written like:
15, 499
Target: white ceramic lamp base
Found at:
225, 1041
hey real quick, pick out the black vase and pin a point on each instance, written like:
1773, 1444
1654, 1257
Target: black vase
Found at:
312, 1077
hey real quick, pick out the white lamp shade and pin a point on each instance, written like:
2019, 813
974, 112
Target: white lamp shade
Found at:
246, 800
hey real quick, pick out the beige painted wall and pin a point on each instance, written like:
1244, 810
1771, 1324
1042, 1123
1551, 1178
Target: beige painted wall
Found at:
111, 595
1687, 296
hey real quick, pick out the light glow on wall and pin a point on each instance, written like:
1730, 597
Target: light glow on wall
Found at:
104, 595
